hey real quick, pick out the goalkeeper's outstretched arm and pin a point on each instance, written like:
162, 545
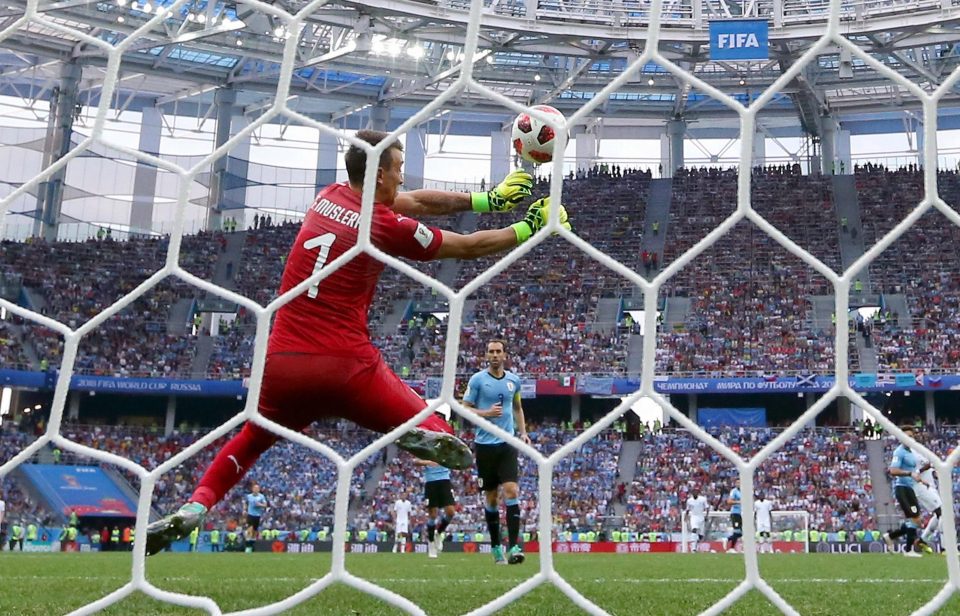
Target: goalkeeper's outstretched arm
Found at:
504, 197
482, 243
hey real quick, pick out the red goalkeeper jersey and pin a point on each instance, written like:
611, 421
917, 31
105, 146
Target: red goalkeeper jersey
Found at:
330, 318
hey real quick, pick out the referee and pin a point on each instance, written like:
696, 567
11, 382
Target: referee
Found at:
494, 394
903, 469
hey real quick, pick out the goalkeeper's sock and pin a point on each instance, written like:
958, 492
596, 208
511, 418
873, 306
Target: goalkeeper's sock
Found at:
431, 529
513, 521
444, 522
492, 514
231, 464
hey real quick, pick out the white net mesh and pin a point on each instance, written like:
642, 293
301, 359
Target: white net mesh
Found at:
547, 573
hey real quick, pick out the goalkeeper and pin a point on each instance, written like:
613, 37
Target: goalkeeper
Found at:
320, 360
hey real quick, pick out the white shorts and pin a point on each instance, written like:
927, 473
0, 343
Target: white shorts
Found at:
763, 527
696, 524
403, 527
928, 498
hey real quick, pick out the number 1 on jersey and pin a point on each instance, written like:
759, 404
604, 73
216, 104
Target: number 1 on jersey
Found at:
324, 241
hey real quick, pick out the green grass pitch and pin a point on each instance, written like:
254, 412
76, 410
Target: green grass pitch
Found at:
647, 584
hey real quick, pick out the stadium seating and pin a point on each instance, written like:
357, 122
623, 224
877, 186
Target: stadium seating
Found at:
824, 472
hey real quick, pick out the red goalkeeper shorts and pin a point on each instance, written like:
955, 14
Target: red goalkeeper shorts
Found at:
299, 389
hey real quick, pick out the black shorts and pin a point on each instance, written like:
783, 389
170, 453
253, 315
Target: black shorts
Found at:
496, 465
907, 499
254, 521
438, 493
736, 520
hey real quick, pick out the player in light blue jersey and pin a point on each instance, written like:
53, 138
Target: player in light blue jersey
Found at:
441, 504
905, 472
736, 518
494, 394
256, 505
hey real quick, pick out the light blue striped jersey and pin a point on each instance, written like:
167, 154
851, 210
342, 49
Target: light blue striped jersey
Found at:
483, 391
735, 496
906, 460
435, 473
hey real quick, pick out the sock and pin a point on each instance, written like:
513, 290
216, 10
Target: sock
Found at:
932, 526
896, 534
492, 514
231, 464
911, 537
431, 529
403, 545
444, 522
513, 521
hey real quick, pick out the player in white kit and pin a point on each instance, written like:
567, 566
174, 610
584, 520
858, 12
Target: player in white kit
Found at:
763, 507
929, 499
401, 515
697, 507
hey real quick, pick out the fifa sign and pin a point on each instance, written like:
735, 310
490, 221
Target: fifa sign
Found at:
739, 39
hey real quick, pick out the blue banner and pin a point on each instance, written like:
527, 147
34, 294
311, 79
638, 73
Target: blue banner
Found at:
719, 417
585, 384
157, 386
86, 490
739, 39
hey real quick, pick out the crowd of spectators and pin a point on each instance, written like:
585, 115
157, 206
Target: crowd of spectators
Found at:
74, 282
299, 483
921, 264
749, 297
823, 471
750, 308
583, 484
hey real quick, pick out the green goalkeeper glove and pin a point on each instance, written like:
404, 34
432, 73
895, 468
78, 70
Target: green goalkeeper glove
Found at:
507, 195
538, 214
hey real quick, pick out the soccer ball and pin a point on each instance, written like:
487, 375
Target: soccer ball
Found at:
533, 140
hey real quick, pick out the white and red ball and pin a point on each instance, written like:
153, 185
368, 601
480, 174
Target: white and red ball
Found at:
533, 139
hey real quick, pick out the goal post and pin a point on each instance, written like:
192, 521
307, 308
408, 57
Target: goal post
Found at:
787, 527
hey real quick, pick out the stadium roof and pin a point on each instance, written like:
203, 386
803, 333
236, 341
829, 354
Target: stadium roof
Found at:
402, 53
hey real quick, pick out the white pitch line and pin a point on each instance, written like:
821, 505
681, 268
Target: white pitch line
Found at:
627, 580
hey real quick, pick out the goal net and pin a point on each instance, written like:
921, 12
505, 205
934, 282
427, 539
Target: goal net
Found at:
789, 532
281, 107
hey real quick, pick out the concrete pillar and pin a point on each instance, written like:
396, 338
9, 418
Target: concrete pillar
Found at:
501, 150
224, 99
73, 406
844, 160
692, 407
145, 177
57, 144
575, 407
379, 116
234, 202
414, 158
171, 418
828, 145
930, 408
675, 131
759, 149
327, 159
844, 413
586, 145
918, 134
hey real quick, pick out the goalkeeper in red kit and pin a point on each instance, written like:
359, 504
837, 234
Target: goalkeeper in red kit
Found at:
320, 360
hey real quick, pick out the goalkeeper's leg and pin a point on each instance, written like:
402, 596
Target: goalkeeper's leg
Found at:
381, 401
